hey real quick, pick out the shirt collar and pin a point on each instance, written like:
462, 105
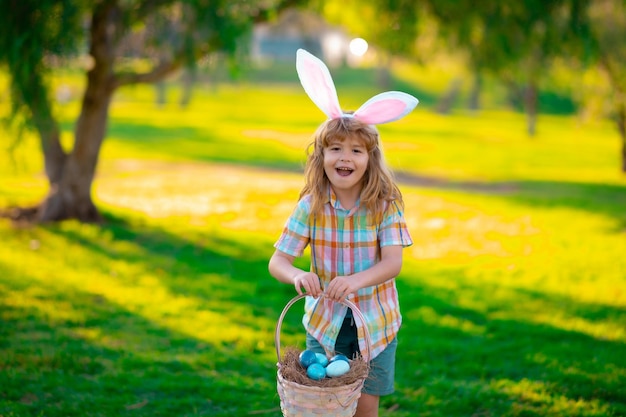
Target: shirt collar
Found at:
336, 204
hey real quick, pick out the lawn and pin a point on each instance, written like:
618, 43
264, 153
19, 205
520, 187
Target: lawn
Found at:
513, 295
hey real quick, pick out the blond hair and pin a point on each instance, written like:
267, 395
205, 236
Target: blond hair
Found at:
379, 185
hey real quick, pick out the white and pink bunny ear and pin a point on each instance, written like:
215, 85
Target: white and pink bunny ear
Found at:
386, 107
318, 84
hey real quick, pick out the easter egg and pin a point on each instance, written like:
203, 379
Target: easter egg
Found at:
316, 371
339, 357
307, 358
322, 359
337, 368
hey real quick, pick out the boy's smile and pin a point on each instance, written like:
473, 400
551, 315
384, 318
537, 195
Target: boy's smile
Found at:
345, 164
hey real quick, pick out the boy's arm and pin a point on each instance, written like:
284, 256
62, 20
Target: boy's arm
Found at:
389, 267
281, 267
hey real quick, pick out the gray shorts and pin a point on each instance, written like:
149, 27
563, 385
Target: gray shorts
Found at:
380, 380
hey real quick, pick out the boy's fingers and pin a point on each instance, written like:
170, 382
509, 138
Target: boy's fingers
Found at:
315, 291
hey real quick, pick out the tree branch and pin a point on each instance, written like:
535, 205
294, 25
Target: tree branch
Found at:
266, 14
168, 67
157, 74
148, 7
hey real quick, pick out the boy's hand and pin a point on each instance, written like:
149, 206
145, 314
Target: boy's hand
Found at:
309, 282
339, 288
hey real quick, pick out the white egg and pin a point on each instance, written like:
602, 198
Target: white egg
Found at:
337, 368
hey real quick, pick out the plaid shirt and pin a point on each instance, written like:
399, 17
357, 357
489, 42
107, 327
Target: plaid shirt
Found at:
343, 243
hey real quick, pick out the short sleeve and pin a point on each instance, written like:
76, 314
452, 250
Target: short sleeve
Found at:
296, 233
393, 230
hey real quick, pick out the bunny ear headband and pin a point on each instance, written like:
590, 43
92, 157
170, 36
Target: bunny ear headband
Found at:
318, 84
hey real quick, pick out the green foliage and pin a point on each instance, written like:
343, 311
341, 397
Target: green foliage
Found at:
503, 34
608, 24
32, 32
396, 22
512, 294
38, 36
40, 28
519, 43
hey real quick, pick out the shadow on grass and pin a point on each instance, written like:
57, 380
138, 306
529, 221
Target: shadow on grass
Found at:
65, 350
505, 357
198, 145
98, 358
68, 352
228, 276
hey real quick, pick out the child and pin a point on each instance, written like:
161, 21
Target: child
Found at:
350, 212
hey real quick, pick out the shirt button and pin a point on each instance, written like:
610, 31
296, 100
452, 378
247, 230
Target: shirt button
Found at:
346, 245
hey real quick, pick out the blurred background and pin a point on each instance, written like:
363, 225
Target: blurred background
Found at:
532, 58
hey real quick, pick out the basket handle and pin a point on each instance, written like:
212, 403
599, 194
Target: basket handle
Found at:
348, 303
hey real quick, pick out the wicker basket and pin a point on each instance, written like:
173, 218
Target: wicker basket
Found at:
297, 400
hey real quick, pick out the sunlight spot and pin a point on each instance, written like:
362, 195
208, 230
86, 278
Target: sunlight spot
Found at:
182, 314
207, 197
532, 394
358, 46
446, 230
52, 310
434, 223
603, 330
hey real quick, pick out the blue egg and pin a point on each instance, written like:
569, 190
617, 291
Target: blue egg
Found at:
322, 359
337, 368
339, 357
307, 358
316, 371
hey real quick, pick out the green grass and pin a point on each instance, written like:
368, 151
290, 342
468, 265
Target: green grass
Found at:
513, 295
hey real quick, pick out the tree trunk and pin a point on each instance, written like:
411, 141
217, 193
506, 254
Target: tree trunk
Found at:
619, 100
70, 194
48, 130
30, 88
449, 98
621, 127
188, 80
383, 72
530, 106
473, 102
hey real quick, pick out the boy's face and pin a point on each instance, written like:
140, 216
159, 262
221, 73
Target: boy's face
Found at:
345, 164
